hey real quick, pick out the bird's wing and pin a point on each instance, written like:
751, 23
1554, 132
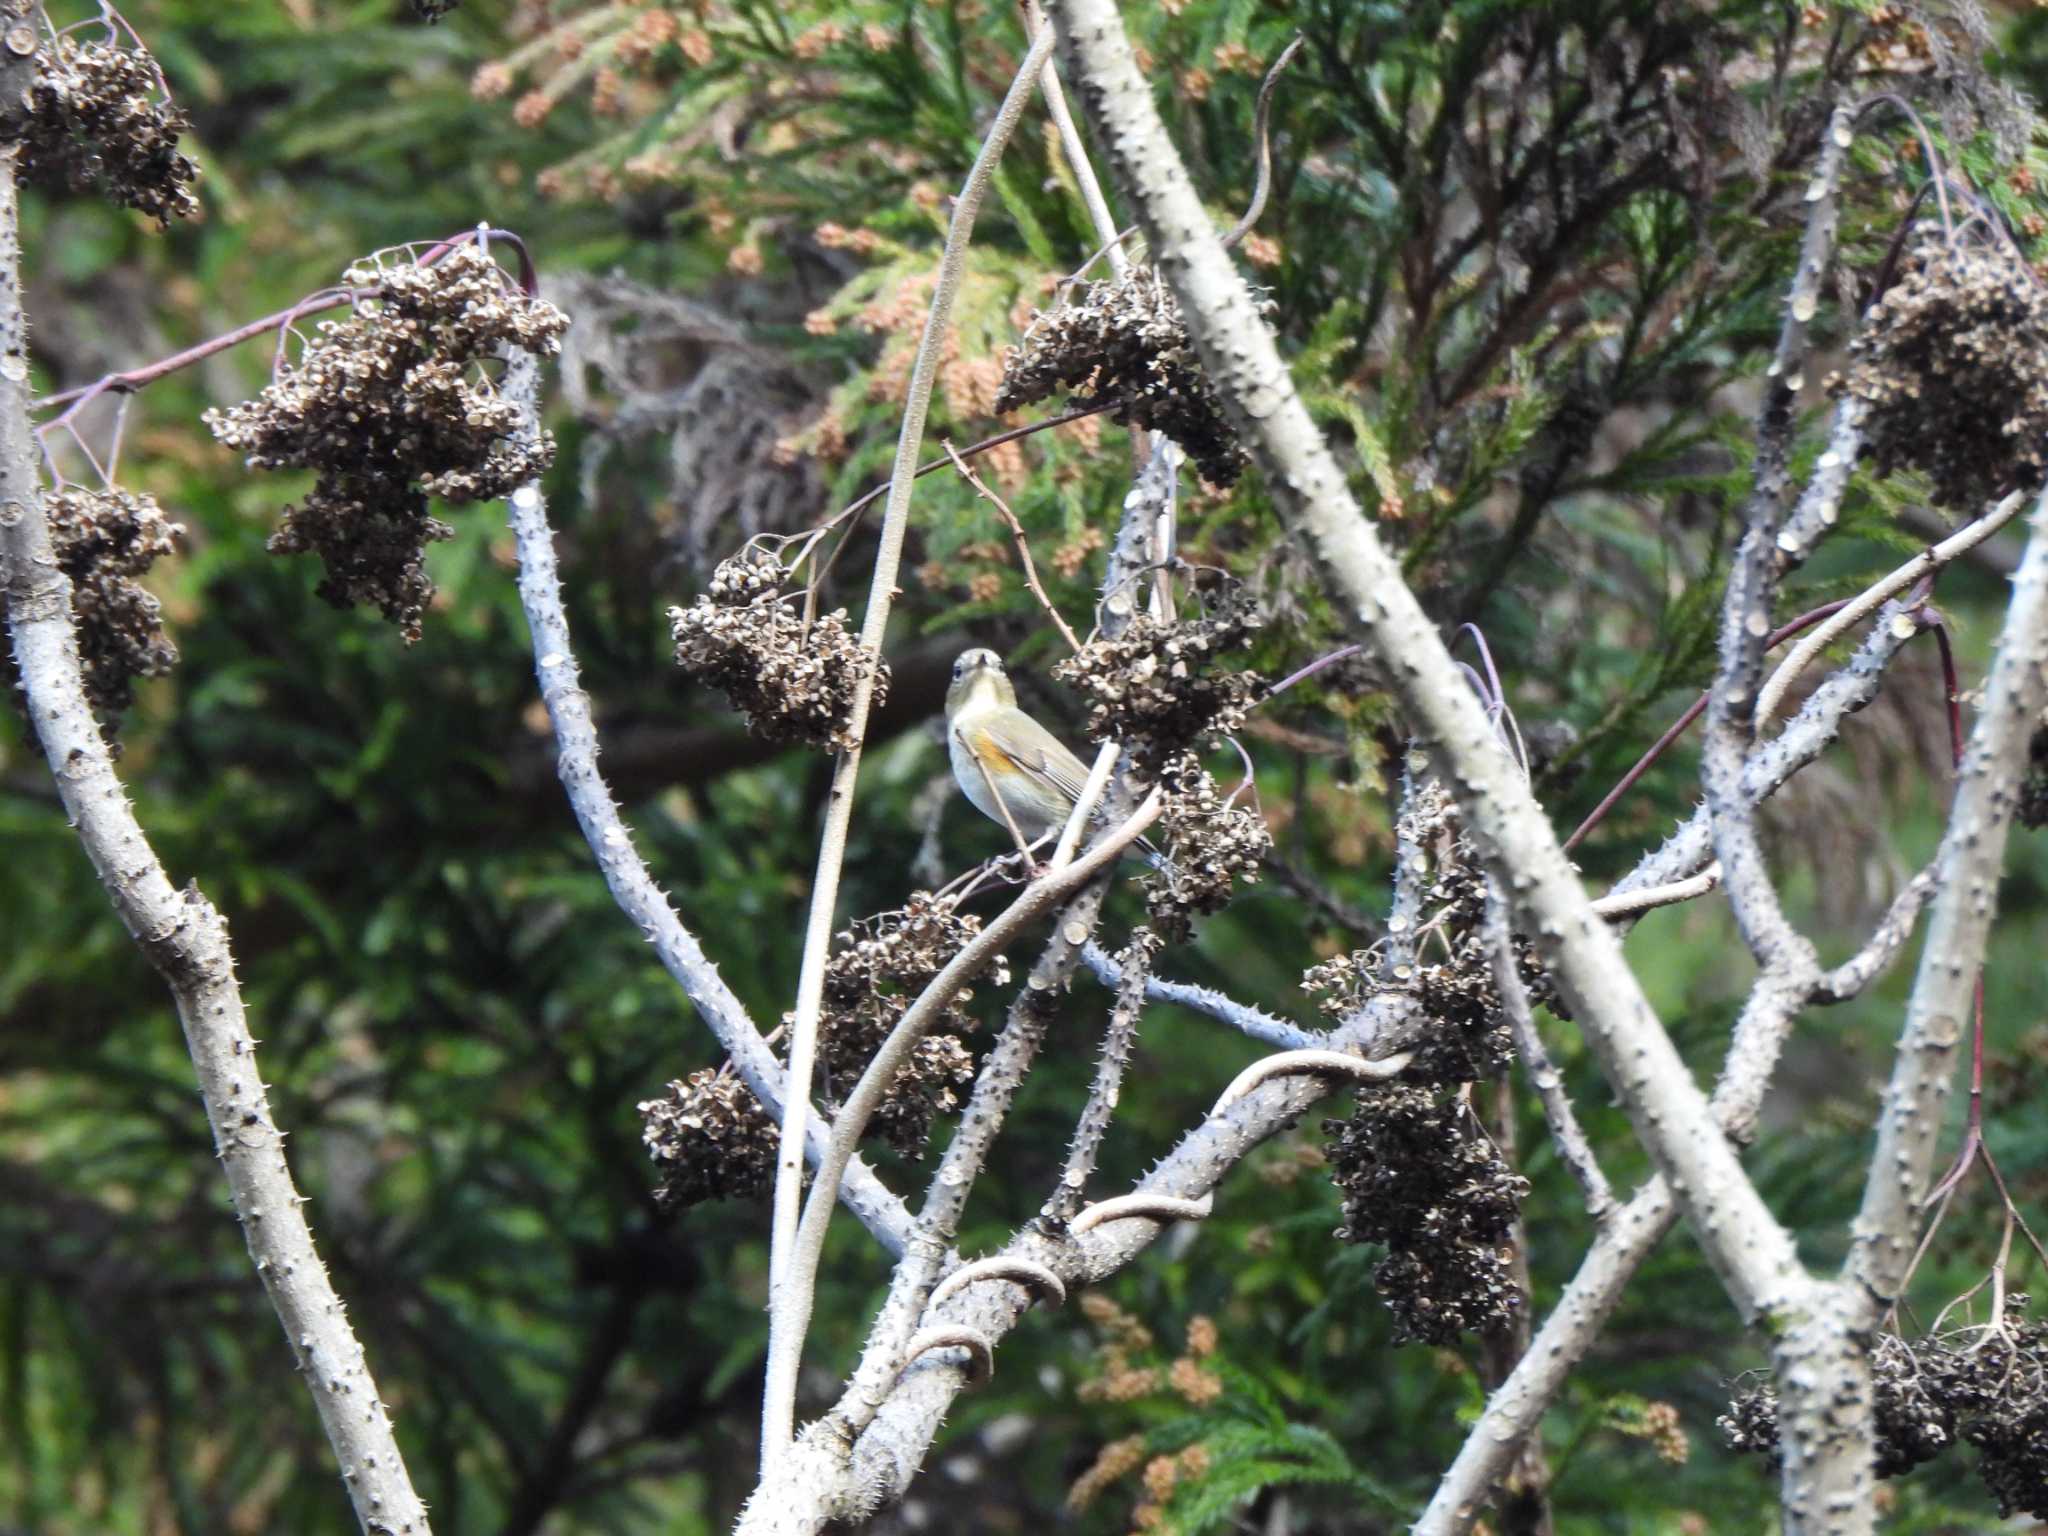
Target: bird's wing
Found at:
1038, 752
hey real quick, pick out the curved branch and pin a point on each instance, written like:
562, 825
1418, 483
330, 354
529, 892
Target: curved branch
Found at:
1878, 594
1318, 1063
1030, 1274
611, 840
981, 1354
1141, 1206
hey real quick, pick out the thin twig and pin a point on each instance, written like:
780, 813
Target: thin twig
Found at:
1342, 1066
1118, 1039
851, 512
995, 1087
1076, 150
1880, 592
1142, 1206
866, 1095
1680, 726
1630, 903
791, 1279
1262, 136
129, 380
1023, 546
1574, 1150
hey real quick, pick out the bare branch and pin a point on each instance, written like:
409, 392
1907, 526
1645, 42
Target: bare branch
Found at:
1972, 853
789, 1285
1634, 903
981, 1355
1339, 1065
1750, 1250
1274, 1031
1033, 1277
1076, 150
1811, 732
186, 939
1142, 1205
611, 840
860, 1104
1569, 1137
1880, 592
1848, 979
1018, 537
1118, 1039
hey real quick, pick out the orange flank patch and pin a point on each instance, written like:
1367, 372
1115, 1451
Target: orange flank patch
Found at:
996, 759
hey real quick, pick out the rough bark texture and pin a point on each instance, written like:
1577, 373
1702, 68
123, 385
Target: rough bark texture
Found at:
186, 939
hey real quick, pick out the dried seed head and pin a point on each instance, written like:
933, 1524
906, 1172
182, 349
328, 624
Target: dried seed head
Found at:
1157, 689
1209, 844
103, 540
1419, 1175
711, 1137
879, 966
793, 681
101, 119
1461, 1035
1985, 1385
393, 405
1952, 368
1125, 340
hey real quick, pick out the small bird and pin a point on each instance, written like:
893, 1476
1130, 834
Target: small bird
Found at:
998, 750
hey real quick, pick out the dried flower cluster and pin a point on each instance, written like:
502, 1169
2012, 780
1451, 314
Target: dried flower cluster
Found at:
1418, 1174
1125, 340
103, 540
1464, 1035
879, 967
1210, 843
794, 681
711, 1137
1952, 368
1156, 689
1988, 1386
101, 119
391, 406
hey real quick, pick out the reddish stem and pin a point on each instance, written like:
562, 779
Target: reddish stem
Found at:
1663, 743
130, 380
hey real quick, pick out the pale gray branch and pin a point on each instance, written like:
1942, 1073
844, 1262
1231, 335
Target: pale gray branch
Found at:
791, 1261
611, 840
1972, 854
1749, 1249
1119, 1037
186, 939
1259, 1025
1574, 1150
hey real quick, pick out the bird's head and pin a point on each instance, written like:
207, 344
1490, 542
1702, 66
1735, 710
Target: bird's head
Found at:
979, 681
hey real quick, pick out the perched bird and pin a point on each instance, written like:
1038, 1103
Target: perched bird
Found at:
998, 750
